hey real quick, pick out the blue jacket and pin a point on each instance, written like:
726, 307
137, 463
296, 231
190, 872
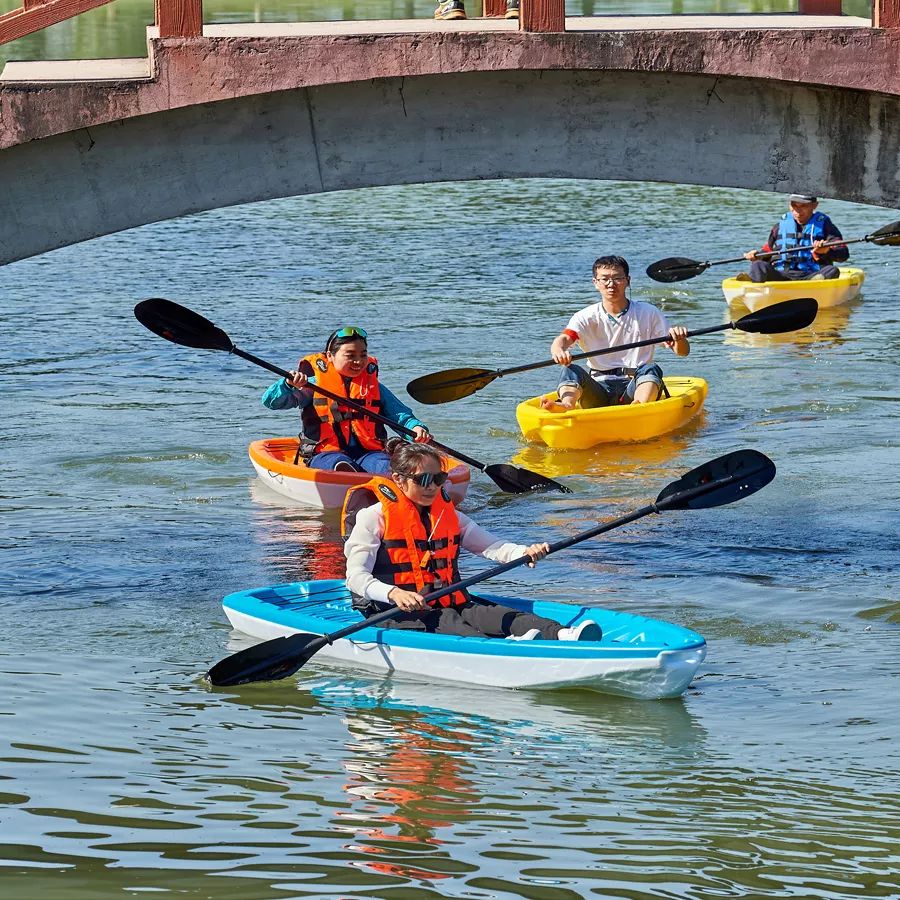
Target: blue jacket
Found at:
787, 234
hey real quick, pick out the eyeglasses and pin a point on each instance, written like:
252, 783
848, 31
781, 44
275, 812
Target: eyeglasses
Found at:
350, 332
424, 479
611, 279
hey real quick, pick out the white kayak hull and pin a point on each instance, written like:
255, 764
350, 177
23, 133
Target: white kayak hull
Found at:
638, 657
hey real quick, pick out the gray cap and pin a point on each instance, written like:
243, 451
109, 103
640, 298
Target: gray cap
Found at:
804, 198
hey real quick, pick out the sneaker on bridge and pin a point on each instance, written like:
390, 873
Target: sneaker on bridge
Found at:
451, 9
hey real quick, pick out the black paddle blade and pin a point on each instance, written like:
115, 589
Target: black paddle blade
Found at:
887, 236
780, 317
724, 480
181, 325
449, 385
675, 268
514, 480
268, 661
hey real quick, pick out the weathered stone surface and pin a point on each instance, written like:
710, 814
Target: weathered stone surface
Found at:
768, 135
206, 70
228, 120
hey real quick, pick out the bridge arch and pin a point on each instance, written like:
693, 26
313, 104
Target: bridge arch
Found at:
593, 124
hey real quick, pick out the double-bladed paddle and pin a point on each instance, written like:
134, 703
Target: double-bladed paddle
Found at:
723, 480
181, 325
454, 384
680, 268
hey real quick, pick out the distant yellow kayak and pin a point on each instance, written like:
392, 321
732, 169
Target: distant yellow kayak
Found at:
580, 429
827, 292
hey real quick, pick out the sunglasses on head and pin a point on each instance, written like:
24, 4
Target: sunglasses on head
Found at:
424, 479
350, 332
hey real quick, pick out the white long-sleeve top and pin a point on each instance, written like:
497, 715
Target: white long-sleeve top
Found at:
365, 539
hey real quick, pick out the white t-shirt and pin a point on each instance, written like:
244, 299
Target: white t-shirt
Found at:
596, 329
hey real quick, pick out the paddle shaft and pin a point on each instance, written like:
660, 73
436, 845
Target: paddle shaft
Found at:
345, 401
552, 362
680, 498
497, 570
312, 647
767, 254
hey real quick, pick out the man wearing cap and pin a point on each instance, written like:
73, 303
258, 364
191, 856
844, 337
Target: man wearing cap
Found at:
802, 226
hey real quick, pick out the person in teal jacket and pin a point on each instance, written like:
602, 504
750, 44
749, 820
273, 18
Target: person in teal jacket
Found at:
335, 436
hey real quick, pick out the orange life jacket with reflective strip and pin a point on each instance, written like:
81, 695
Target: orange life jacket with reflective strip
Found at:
409, 556
327, 426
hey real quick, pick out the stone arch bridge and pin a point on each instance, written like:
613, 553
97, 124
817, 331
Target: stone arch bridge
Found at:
220, 115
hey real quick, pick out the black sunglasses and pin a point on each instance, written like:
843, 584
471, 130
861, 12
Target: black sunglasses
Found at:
424, 479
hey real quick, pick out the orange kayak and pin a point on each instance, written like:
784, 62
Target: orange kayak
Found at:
273, 459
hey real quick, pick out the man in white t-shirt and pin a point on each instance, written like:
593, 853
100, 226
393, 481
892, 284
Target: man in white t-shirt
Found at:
626, 376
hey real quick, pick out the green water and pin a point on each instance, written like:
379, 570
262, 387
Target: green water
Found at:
130, 509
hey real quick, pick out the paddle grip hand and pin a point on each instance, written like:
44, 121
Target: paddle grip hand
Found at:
536, 552
820, 249
678, 340
297, 380
408, 601
559, 350
751, 255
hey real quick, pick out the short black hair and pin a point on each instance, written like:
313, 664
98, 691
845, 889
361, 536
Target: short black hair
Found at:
604, 262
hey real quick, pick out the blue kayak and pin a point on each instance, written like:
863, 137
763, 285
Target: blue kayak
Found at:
637, 657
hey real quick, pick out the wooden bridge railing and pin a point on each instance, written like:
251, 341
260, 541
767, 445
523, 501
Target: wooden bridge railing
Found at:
184, 18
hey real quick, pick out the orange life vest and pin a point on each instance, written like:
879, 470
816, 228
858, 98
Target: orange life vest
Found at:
327, 425
409, 556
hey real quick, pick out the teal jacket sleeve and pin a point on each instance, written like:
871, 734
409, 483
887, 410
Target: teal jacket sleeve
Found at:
396, 411
281, 396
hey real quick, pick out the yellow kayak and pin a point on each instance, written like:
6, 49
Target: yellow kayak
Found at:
827, 292
607, 461
583, 428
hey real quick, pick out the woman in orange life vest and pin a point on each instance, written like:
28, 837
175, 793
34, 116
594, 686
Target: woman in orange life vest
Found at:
334, 437
404, 541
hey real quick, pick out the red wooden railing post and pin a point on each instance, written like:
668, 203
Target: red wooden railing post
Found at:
819, 7
35, 15
542, 15
886, 14
495, 7
179, 18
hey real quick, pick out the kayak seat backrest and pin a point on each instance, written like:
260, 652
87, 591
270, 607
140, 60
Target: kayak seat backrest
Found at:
361, 498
